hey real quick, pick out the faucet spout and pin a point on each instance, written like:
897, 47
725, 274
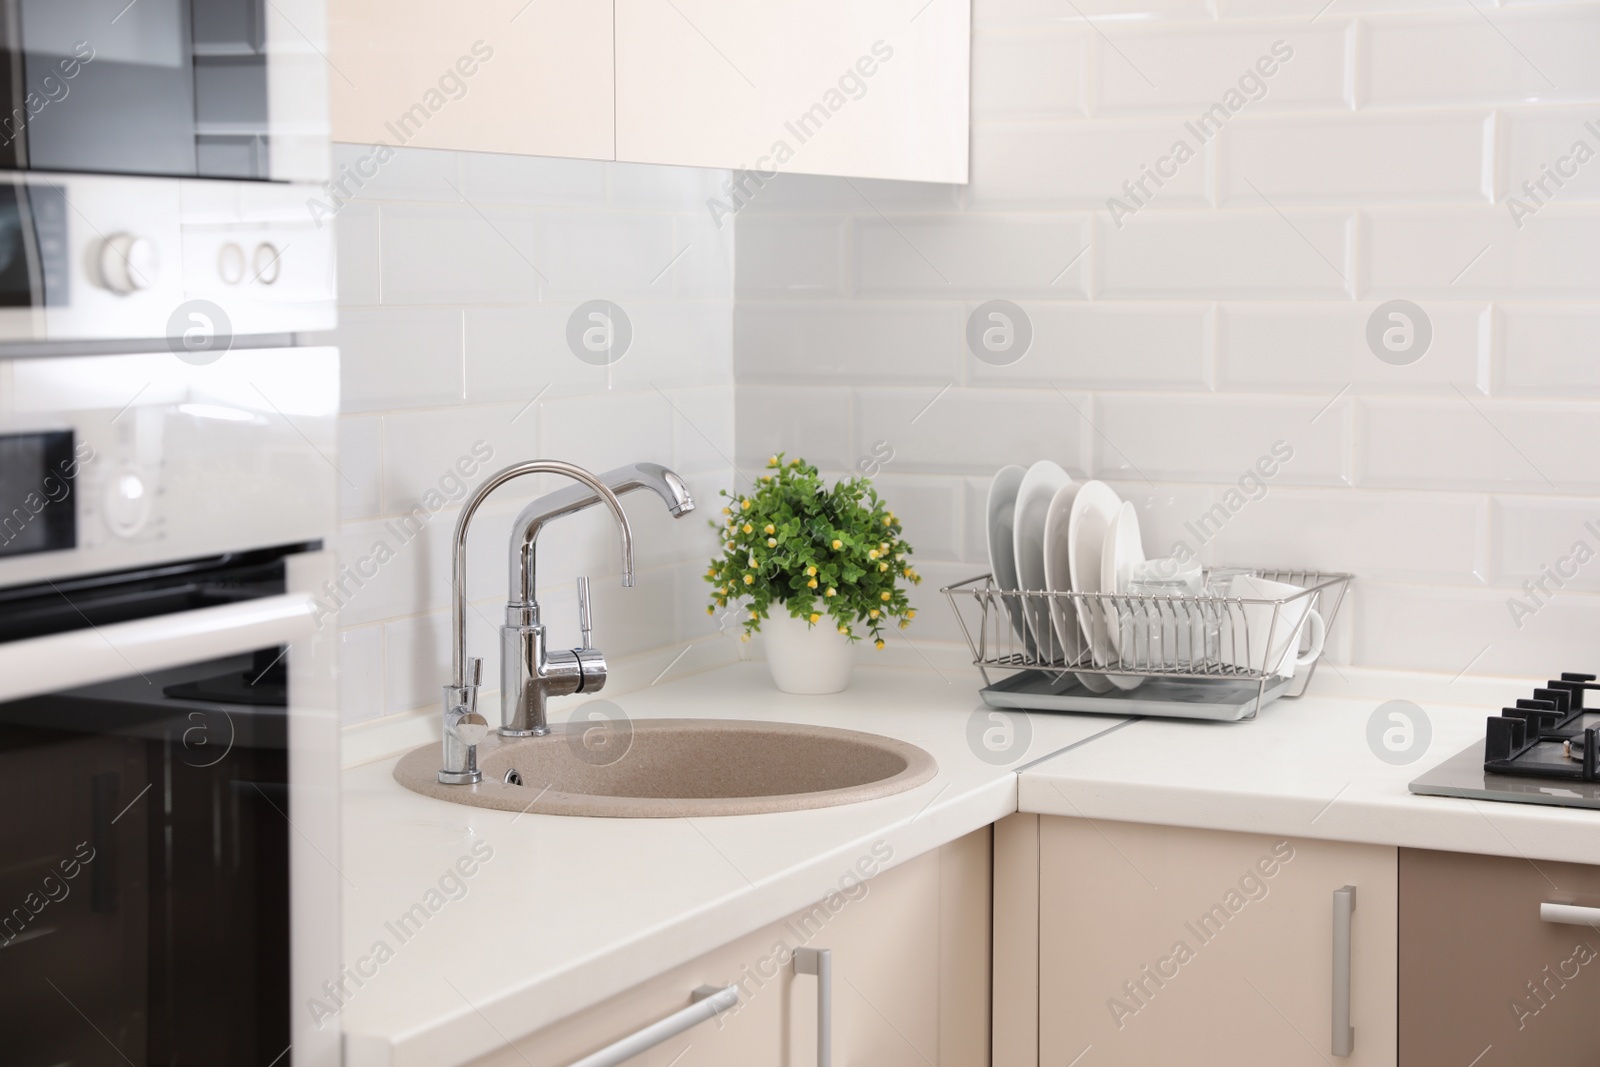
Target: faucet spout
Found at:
666, 484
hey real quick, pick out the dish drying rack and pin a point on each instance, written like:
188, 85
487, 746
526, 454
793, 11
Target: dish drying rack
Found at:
1195, 653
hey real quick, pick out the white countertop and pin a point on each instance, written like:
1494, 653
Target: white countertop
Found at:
569, 911
1304, 768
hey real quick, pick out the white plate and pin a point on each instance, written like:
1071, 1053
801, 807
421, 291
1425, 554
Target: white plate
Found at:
1058, 572
1039, 486
1087, 525
1001, 510
1123, 551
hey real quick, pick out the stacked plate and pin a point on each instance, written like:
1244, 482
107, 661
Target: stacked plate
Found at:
1048, 533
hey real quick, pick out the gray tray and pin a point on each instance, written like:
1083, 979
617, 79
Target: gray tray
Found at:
1172, 698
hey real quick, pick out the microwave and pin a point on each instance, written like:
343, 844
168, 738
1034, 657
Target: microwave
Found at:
227, 89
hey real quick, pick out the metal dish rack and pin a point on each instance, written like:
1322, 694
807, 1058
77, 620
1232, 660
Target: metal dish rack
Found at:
1196, 654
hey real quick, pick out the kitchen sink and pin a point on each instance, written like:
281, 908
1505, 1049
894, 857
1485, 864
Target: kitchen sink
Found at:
675, 768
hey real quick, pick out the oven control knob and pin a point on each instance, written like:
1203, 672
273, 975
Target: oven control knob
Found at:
128, 263
127, 503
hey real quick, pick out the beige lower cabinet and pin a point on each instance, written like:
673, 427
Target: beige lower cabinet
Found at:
1162, 945
1499, 961
910, 986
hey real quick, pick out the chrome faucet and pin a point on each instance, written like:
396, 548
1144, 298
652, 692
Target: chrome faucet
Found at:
530, 673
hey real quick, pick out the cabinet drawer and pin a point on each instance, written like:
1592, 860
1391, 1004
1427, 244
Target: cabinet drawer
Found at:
1483, 975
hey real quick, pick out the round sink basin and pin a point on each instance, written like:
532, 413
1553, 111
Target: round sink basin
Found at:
676, 768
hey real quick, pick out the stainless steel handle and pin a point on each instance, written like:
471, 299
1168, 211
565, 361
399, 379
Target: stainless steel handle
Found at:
709, 1002
819, 961
1344, 907
1573, 914
585, 623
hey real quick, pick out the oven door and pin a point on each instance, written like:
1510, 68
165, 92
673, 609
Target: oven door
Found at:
169, 813
181, 88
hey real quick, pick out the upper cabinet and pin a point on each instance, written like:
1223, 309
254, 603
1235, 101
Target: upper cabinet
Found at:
530, 78
799, 86
875, 90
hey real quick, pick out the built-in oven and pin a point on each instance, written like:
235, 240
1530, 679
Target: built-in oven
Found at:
169, 835
179, 88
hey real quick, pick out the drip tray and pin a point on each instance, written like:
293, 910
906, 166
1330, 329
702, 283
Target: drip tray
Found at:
1221, 699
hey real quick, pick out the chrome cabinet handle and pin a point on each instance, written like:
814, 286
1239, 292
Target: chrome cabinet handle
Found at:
709, 1002
820, 963
1344, 906
1573, 914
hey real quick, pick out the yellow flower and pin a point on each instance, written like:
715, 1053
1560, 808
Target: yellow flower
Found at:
766, 477
750, 579
772, 462
744, 637
831, 591
873, 614
725, 511
883, 596
794, 463
884, 548
811, 572
908, 572
755, 614
837, 544
911, 614
844, 629
879, 642
883, 566
812, 584
887, 520
815, 617
872, 554
904, 623
771, 529
710, 610
747, 528
772, 542
744, 505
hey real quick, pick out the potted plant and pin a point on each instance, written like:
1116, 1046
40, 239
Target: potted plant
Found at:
831, 559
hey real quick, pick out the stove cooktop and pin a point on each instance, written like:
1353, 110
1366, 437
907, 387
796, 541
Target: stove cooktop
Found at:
1542, 751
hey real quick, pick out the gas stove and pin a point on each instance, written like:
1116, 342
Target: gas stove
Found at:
1542, 751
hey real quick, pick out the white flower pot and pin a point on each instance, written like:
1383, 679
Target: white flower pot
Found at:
806, 659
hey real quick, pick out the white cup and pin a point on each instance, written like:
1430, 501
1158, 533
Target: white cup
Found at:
1271, 635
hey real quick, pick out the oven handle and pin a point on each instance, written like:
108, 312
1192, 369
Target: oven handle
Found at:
39, 665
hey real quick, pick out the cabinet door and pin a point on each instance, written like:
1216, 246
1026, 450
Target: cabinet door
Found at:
799, 86
910, 984
1482, 978
515, 76
1166, 945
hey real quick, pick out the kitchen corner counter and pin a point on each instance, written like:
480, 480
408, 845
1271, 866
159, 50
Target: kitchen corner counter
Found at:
1304, 768
559, 913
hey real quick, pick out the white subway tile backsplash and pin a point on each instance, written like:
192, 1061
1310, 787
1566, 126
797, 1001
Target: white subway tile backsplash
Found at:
1242, 254
791, 254
368, 172
1463, 253
360, 466
1476, 443
1550, 154
1556, 540
1105, 13
399, 358
1302, 440
856, 342
971, 431
361, 674
1404, 537
1013, 256
1234, 69
805, 192
812, 422
445, 451
1082, 164
1547, 349
1322, 347
1029, 75
1107, 345
605, 430
611, 255
1439, 628
1357, 159
357, 237
1501, 57
460, 254
490, 178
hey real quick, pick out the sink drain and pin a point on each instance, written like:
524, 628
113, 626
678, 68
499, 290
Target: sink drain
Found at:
512, 777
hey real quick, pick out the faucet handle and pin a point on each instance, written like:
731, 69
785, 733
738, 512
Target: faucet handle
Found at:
585, 622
